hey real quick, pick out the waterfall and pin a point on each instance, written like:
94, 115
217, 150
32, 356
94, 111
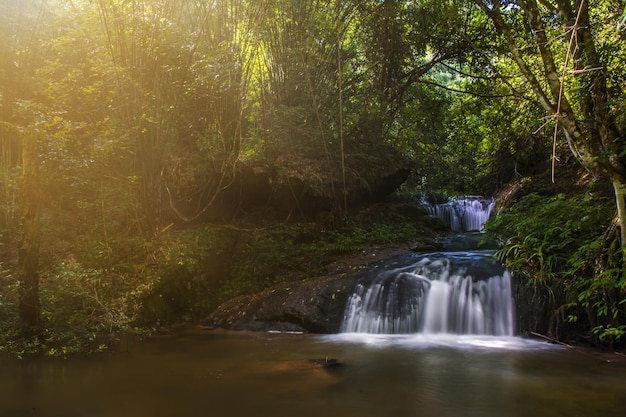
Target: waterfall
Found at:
458, 293
462, 214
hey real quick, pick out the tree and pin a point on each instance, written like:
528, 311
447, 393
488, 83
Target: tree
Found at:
28, 253
575, 82
19, 140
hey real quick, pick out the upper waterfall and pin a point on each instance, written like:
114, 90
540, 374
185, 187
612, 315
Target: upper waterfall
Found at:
462, 214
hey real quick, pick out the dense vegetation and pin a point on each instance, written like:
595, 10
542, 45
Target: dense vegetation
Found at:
160, 156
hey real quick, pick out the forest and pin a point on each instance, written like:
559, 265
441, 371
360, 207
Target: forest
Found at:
159, 157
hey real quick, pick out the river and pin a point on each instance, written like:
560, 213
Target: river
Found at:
201, 372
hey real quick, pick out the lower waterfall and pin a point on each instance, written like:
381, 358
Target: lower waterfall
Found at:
455, 293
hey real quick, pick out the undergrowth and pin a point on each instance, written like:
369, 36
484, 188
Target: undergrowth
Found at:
568, 249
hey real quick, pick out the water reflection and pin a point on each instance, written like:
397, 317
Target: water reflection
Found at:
208, 373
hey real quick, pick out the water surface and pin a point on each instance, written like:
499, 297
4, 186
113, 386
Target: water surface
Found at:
217, 373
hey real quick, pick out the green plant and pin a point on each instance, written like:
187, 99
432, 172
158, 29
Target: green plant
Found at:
559, 243
82, 310
610, 333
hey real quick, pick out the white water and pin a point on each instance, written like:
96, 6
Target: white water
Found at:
451, 293
461, 293
422, 341
463, 214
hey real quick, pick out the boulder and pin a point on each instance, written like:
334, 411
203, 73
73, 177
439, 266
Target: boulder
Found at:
314, 305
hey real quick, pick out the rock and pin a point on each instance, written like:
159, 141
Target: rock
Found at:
314, 374
327, 363
314, 305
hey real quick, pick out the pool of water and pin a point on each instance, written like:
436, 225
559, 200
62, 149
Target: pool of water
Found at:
217, 373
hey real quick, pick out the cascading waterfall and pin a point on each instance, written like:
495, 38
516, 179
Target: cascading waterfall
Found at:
459, 293
438, 293
463, 214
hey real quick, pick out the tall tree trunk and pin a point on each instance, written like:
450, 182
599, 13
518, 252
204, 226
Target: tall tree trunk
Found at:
28, 253
620, 199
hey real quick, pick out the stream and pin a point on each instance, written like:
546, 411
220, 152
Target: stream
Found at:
201, 372
430, 335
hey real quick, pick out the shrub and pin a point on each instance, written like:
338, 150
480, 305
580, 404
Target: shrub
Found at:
561, 245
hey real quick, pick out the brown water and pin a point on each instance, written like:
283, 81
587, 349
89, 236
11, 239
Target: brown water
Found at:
215, 373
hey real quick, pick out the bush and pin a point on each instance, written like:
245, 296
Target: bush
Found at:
566, 248
81, 309
91, 291
191, 267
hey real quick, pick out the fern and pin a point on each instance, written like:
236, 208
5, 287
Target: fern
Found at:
559, 243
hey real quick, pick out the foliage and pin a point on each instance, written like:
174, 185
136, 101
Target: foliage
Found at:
559, 243
303, 250
144, 110
184, 276
190, 268
560, 51
82, 310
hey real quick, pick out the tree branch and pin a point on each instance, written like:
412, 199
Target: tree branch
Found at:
471, 93
496, 17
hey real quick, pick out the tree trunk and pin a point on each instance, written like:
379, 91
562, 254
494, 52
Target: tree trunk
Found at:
620, 199
28, 253
589, 127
